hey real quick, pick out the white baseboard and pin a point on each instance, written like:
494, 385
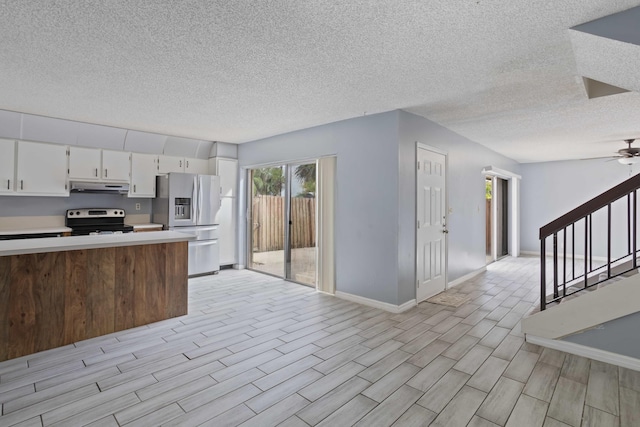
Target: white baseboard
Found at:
588, 352
325, 293
377, 304
466, 277
550, 254
239, 266
530, 253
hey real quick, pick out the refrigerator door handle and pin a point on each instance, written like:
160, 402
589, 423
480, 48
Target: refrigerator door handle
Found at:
200, 199
195, 203
204, 242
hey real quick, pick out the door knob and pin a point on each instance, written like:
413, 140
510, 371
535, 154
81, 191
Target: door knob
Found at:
445, 231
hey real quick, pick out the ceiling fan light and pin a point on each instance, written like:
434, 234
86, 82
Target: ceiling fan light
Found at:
628, 160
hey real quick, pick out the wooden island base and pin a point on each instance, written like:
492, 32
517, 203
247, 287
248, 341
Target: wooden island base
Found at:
51, 299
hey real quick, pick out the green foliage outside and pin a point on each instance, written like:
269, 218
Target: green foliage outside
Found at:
487, 184
306, 175
268, 181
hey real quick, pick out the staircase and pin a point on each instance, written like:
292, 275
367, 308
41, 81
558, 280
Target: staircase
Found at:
588, 278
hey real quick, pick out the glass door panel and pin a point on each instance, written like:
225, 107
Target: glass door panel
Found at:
283, 221
301, 253
267, 220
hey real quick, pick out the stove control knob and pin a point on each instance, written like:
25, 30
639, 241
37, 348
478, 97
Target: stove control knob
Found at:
78, 213
70, 213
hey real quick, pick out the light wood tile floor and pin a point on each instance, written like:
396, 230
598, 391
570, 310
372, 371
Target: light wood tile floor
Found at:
258, 351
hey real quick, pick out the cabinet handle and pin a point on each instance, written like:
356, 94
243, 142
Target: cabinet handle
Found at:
96, 171
105, 173
8, 184
180, 163
134, 188
187, 163
21, 185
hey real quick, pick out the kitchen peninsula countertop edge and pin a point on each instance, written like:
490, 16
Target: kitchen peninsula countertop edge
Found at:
72, 243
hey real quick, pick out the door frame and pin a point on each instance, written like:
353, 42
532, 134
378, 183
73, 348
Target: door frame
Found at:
494, 218
513, 215
421, 146
288, 174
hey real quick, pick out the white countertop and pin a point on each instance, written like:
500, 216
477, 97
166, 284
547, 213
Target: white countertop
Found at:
71, 243
35, 230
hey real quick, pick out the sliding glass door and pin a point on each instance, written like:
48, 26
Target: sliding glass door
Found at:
301, 256
282, 230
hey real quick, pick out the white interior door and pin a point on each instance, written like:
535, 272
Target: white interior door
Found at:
431, 226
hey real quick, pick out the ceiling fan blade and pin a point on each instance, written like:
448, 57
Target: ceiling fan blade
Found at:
602, 157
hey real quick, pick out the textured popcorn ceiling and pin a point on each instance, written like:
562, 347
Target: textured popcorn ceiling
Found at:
502, 73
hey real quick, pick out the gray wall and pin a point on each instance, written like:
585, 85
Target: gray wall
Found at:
551, 189
622, 26
54, 206
617, 336
466, 197
375, 210
367, 202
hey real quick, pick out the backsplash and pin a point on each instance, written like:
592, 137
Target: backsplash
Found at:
13, 206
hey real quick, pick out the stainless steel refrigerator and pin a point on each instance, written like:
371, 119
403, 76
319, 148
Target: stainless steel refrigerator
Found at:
189, 203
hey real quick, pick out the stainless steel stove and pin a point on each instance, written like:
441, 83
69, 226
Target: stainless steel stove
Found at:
95, 221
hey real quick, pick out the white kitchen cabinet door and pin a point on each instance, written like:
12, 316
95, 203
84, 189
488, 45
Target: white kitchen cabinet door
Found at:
7, 166
227, 170
200, 166
84, 163
41, 169
167, 164
143, 175
226, 219
116, 165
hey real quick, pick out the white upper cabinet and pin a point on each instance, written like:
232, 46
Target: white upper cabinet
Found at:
116, 165
7, 166
41, 169
227, 170
98, 165
84, 163
143, 175
200, 166
167, 164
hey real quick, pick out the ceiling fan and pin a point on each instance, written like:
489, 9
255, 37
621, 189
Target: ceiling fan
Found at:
629, 155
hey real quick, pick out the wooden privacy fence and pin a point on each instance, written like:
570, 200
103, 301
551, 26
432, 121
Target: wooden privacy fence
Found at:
268, 223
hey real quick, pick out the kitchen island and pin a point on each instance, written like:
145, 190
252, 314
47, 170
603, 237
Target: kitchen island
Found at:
58, 290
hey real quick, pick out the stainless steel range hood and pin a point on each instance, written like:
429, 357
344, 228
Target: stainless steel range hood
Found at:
99, 187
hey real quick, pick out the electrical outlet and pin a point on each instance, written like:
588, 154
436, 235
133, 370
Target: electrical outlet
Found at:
137, 206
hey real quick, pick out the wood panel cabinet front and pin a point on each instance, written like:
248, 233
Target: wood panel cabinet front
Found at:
57, 298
